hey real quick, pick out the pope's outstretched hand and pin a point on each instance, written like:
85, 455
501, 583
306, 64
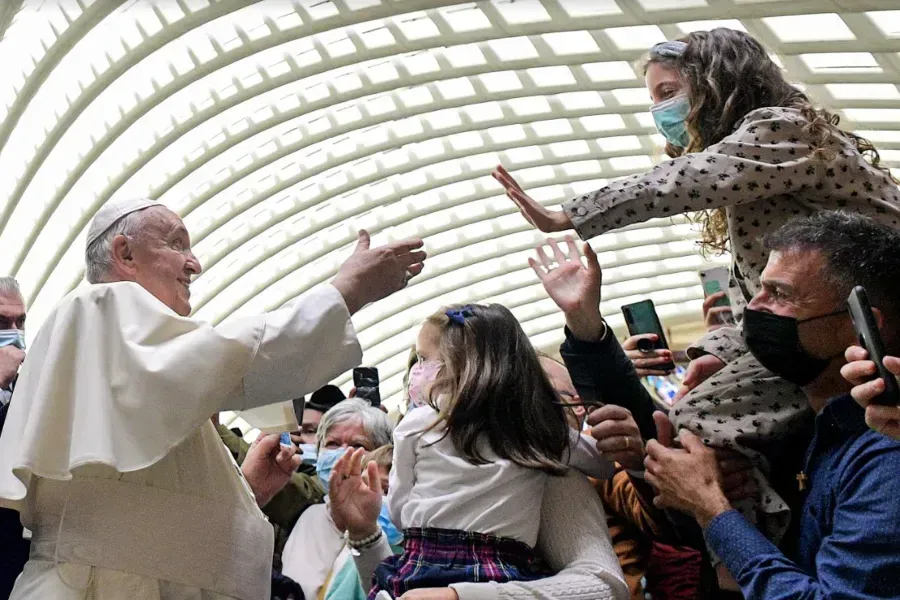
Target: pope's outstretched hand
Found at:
371, 274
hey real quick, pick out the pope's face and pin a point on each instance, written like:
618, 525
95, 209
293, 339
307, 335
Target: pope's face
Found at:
163, 261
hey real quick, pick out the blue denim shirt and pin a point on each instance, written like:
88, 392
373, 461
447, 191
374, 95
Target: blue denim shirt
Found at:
849, 530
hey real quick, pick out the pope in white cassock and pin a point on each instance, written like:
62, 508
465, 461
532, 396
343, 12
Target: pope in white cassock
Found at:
108, 451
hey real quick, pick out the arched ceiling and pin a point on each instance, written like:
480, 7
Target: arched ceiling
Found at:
277, 128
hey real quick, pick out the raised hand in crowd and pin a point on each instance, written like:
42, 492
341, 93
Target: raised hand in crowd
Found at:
268, 466
699, 370
546, 220
712, 314
573, 286
11, 359
644, 362
618, 436
371, 274
860, 371
355, 500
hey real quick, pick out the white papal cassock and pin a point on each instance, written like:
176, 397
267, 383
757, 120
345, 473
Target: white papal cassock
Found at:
109, 454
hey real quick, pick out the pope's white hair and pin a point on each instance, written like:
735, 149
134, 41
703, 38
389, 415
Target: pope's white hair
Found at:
375, 423
98, 258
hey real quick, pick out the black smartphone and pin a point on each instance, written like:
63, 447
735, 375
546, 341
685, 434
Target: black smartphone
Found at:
641, 317
870, 339
365, 380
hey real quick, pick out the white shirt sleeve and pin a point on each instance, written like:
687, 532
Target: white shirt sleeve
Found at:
578, 548
403, 470
584, 456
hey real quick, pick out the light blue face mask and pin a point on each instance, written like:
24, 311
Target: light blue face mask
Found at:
12, 337
325, 464
310, 455
394, 535
670, 116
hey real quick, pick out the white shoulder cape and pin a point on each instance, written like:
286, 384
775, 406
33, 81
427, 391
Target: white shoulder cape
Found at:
115, 377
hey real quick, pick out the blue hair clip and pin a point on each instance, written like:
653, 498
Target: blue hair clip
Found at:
670, 49
459, 316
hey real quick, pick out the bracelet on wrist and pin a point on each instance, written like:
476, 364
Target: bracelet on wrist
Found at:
364, 543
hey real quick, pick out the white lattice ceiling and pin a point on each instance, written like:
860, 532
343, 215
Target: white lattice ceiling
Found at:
278, 128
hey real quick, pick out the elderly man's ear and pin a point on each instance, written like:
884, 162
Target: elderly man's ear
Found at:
123, 256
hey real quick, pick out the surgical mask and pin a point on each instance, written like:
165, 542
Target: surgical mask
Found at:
325, 464
774, 341
394, 535
421, 374
12, 337
309, 454
669, 116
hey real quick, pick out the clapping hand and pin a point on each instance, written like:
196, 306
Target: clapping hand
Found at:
355, 500
574, 287
547, 221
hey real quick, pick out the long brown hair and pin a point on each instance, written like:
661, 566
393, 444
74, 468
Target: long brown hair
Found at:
493, 388
729, 74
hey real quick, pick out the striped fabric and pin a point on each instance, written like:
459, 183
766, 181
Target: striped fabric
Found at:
439, 557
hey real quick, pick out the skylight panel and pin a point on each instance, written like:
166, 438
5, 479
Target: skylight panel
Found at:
888, 21
637, 37
809, 28
465, 18
863, 91
633, 96
580, 8
466, 55
652, 5
609, 71
873, 114
841, 62
517, 48
691, 26
571, 42
521, 12
417, 26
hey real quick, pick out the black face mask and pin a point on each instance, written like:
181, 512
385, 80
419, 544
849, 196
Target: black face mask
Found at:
775, 342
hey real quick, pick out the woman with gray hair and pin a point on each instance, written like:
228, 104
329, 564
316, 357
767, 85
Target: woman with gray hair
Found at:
315, 542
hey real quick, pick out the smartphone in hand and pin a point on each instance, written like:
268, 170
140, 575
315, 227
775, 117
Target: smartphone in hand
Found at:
870, 339
365, 380
641, 317
713, 281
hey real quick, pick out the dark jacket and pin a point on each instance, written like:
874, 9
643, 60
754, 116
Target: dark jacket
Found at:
13, 548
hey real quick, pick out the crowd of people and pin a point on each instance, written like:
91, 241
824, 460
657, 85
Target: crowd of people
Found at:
510, 474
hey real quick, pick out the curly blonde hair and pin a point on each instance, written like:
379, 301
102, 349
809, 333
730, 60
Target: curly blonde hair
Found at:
729, 74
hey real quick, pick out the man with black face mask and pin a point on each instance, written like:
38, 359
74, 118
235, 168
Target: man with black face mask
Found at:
847, 535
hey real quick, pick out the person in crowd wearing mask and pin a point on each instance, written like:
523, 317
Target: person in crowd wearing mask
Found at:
12, 353
316, 541
862, 373
321, 401
845, 542
116, 433
748, 152
471, 465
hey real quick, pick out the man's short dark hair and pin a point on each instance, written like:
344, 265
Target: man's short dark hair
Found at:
858, 250
323, 399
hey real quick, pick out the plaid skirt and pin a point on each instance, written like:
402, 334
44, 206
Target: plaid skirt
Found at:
438, 557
